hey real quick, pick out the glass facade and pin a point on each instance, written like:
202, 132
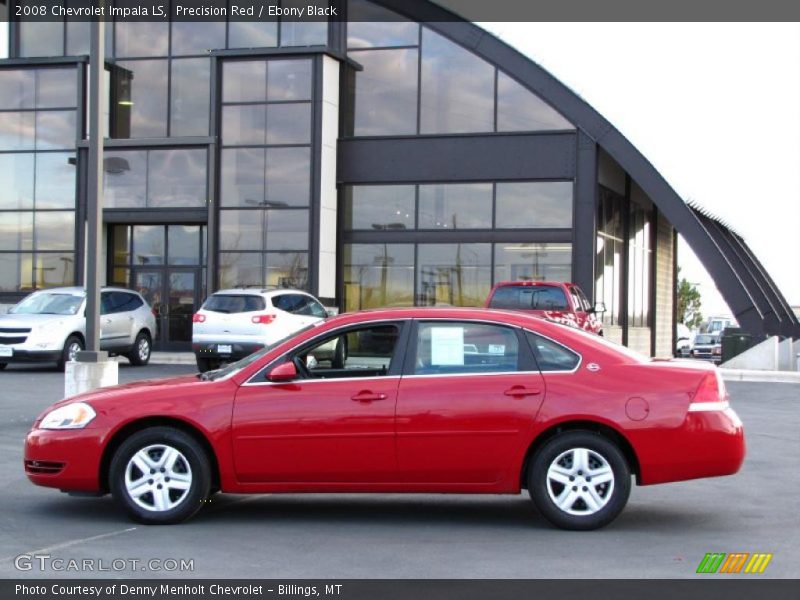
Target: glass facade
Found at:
639, 265
610, 255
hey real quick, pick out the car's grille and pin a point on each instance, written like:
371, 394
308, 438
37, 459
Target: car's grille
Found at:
43, 467
12, 340
15, 330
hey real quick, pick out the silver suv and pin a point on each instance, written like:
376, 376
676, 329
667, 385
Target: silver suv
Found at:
50, 326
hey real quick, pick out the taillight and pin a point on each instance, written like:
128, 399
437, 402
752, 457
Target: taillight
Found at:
263, 319
710, 394
198, 318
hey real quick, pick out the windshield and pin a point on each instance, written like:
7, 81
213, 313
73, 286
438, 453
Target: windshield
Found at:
234, 303
48, 304
248, 360
517, 297
705, 339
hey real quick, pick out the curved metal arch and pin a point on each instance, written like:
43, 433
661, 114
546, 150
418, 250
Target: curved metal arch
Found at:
756, 302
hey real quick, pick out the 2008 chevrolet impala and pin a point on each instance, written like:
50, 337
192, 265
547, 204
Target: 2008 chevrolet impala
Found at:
411, 400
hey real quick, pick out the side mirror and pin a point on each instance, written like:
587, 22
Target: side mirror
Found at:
283, 372
599, 308
332, 312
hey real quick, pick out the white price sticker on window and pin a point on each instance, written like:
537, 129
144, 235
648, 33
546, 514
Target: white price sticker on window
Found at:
447, 346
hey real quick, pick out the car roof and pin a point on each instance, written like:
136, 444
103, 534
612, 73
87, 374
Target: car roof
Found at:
532, 283
507, 317
260, 292
80, 290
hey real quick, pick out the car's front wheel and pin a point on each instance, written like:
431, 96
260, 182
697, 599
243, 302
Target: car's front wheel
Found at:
160, 475
72, 346
579, 480
139, 355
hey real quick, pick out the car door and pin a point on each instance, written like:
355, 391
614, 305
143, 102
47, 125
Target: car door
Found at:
114, 321
467, 402
334, 424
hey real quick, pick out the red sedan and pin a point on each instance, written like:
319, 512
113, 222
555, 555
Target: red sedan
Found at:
402, 400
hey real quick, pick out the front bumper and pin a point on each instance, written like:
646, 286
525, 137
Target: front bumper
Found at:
32, 356
65, 459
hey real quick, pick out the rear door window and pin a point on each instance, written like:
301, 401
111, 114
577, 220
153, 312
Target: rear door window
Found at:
464, 347
519, 297
234, 303
552, 356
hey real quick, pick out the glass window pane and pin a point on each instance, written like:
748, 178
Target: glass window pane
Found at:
453, 274
244, 81
54, 270
56, 88
122, 244
379, 207
190, 96
78, 39
41, 38
15, 272
55, 129
534, 204
287, 229
198, 37
372, 26
289, 123
55, 180
483, 348
148, 97
244, 125
148, 244
242, 178
519, 109
386, 92
289, 80
532, 262
55, 230
241, 230
455, 206
17, 88
288, 177
457, 88
259, 34
16, 175
125, 179
16, 231
303, 32
17, 130
183, 244
240, 269
141, 39
177, 178
551, 356
377, 275
287, 269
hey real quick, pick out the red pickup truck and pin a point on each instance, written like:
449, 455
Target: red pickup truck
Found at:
562, 302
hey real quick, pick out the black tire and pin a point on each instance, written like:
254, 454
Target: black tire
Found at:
206, 364
139, 355
72, 342
192, 460
3, 366
583, 517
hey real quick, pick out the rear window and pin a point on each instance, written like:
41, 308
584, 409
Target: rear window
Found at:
518, 297
234, 303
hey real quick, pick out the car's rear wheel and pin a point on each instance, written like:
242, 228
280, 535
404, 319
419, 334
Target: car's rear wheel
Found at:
139, 355
207, 364
72, 346
579, 480
160, 475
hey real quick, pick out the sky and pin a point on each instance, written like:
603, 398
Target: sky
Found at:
714, 106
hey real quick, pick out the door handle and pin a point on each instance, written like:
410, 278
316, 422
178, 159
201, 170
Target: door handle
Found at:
519, 390
367, 396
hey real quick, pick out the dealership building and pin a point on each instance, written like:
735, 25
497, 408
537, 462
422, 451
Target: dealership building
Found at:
406, 157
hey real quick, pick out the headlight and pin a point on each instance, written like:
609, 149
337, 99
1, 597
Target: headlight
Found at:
71, 416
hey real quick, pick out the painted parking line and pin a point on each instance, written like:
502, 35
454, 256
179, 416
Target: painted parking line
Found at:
70, 543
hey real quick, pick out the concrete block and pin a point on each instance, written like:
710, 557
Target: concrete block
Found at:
80, 377
761, 357
786, 352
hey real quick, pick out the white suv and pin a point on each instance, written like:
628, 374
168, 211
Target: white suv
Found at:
234, 323
50, 326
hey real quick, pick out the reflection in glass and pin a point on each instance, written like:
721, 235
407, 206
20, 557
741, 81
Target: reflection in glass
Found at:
78, 33
302, 33
532, 262
17, 88
259, 34
379, 207
122, 244
244, 125
15, 272
16, 231
377, 275
148, 244
286, 269
386, 92
240, 269
288, 80
288, 177
55, 180
190, 96
242, 80
242, 178
197, 37
183, 243
286, 229
457, 88
125, 179
17, 130
256, 230
372, 26
148, 96
56, 88
532, 205
609, 256
288, 123
55, 230
455, 206
177, 178
40, 38
136, 39
241, 230
16, 175
453, 274
55, 129
54, 270
519, 109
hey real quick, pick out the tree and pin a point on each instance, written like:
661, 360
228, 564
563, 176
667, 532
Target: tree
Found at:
689, 304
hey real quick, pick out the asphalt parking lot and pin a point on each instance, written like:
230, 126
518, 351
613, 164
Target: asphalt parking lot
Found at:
664, 532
